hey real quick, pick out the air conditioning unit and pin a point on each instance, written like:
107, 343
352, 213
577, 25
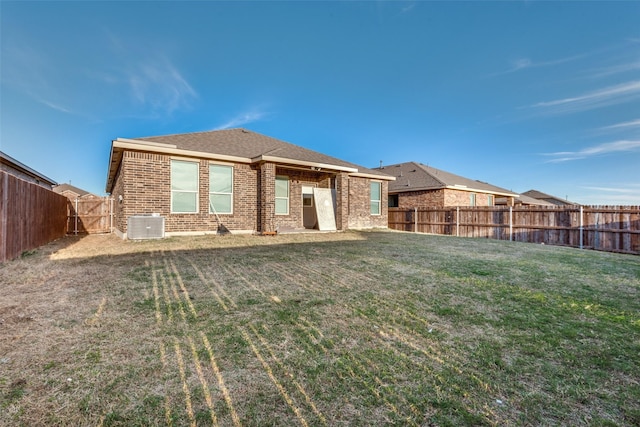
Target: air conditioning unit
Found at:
141, 227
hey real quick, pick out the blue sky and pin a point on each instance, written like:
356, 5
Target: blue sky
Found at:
523, 95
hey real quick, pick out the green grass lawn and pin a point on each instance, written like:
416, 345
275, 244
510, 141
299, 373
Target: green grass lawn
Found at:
368, 328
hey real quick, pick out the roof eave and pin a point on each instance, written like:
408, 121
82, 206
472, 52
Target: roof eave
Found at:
477, 190
297, 162
373, 176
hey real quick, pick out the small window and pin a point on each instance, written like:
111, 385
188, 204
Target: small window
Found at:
393, 201
376, 194
184, 186
490, 201
472, 199
282, 195
220, 189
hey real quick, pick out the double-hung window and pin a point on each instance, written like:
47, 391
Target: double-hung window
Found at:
184, 186
490, 200
220, 189
282, 195
376, 197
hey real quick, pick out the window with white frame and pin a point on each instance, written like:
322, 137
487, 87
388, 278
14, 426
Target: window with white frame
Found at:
184, 186
490, 202
282, 195
220, 189
376, 197
472, 199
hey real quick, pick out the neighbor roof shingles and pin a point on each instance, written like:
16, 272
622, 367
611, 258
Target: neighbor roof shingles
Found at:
412, 176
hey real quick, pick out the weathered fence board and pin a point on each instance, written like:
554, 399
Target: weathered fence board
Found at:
89, 216
605, 228
30, 216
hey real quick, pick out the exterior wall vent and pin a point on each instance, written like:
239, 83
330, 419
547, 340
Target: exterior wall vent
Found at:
141, 227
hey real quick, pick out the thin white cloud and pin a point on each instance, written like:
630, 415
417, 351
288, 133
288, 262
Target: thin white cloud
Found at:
595, 99
149, 77
243, 119
615, 69
158, 85
625, 125
606, 148
526, 63
408, 8
33, 73
613, 189
625, 194
54, 106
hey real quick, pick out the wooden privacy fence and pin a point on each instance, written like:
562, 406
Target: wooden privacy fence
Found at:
30, 216
605, 228
89, 215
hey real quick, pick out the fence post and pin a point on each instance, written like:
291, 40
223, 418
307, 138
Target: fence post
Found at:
511, 223
457, 221
415, 220
110, 214
75, 231
581, 227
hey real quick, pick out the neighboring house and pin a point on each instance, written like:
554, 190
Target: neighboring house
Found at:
13, 167
418, 185
72, 193
548, 198
242, 181
522, 200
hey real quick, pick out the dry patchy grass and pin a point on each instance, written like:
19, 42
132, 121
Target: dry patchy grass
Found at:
320, 329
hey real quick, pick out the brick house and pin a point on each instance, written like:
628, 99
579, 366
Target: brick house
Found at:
418, 185
71, 192
239, 180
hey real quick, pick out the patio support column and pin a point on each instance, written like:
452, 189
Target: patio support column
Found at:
342, 201
267, 195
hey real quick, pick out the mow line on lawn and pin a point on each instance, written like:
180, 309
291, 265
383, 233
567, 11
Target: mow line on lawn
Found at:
344, 329
170, 274
221, 295
345, 278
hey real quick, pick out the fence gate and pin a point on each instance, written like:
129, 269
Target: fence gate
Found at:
89, 215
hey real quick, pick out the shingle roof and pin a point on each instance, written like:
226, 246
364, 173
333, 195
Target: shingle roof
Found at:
524, 200
242, 144
413, 176
8, 162
548, 198
68, 187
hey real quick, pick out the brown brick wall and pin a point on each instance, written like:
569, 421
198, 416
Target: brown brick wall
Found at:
439, 198
417, 199
119, 220
463, 198
144, 182
342, 202
360, 204
145, 186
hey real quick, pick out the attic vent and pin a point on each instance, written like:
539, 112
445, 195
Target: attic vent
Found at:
141, 227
